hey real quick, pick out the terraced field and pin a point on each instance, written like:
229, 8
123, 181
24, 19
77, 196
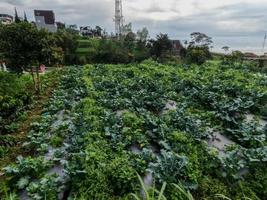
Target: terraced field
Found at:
180, 128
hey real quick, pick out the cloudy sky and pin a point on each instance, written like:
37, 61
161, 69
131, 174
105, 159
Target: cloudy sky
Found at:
240, 24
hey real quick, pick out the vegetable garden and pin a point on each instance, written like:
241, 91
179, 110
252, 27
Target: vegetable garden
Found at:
199, 129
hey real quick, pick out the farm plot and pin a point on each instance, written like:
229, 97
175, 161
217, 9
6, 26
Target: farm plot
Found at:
201, 127
184, 125
43, 175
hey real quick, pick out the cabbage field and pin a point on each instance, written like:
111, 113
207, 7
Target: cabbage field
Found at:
187, 132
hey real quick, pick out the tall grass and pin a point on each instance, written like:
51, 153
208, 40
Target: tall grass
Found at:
150, 193
153, 194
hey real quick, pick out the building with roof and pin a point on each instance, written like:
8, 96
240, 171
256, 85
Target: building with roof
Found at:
60, 25
176, 47
45, 19
6, 19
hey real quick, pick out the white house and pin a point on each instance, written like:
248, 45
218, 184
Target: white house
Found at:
45, 19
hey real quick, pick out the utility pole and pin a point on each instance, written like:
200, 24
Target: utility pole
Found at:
118, 18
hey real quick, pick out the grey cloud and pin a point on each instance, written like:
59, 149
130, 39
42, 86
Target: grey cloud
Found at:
152, 9
17, 2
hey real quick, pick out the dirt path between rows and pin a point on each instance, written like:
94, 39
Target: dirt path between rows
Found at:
21, 134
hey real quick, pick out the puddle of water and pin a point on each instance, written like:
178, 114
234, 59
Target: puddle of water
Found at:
119, 113
170, 105
148, 179
58, 170
148, 182
220, 142
243, 172
135, 148
23, 195
50, 154
249, 118
60, 117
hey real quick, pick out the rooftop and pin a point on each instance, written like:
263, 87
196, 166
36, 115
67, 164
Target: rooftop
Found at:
6, 15
48, 15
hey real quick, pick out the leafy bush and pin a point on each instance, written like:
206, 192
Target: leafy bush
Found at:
197, 55
170, 167
47, 188
105, 175
15, 96
26, 169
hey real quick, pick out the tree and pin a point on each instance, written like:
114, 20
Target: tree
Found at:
129, 41
25, 17
127, 28
17, 19
111, 51
197, 55
24, 46
160, 47
68, 42
226, 58
200, 40
98, 31
198, 50
142, 35
237, 56
226, 48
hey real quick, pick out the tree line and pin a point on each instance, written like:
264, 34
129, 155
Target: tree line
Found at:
25, 48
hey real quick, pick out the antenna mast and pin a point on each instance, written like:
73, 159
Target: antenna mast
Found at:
264, 42
118, 18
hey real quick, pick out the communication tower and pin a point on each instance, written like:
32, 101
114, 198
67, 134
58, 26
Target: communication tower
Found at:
118, 18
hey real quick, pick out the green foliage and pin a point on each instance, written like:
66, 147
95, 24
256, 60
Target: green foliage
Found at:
197, 55
117, 120
150, 193
106, 174
27, 166
3, 151
126, 106
17, 37
126, 50
264, 111
68, 42
15, 96
41, 177
200, 40
48, 188
56, 141
170, 167
209, 187
161, 47
198, 49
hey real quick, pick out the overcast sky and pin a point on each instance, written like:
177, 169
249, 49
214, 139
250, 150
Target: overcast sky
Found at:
240, 24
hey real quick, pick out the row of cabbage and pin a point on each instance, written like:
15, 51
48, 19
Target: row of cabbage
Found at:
165, 122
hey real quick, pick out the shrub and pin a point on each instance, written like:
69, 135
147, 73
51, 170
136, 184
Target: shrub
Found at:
197, 55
